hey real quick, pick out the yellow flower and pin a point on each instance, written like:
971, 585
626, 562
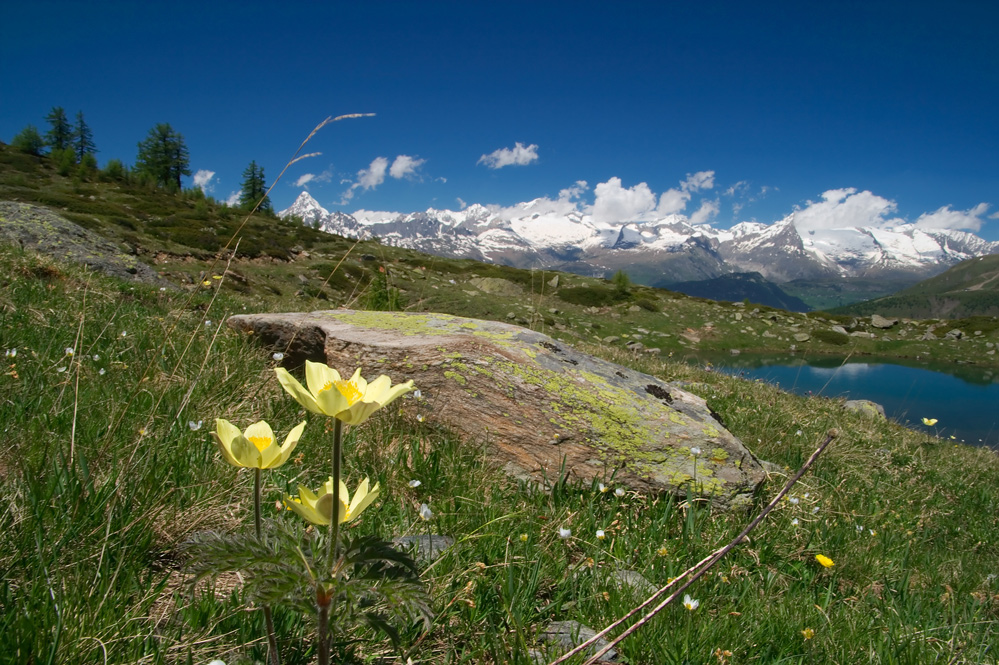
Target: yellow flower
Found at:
929, 422
256, 448
808, 633
351, 401
318, 508
824, 560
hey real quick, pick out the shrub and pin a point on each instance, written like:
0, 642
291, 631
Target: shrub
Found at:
831, 337
589, 296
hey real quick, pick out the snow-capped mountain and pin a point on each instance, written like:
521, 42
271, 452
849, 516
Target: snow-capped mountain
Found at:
555, 235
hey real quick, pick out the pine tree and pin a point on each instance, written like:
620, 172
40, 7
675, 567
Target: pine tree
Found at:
254, 188
60, 137
83, 138
163, 157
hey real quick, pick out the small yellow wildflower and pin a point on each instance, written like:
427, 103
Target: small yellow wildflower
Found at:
808, 633
824, 560
929, 422
523, 537
257, 448
318, 507
351, 401
662, 551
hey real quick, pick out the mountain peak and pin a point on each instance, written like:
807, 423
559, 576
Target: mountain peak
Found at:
307, 208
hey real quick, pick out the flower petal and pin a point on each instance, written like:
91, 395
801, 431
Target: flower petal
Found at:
317, 375
295, 389
286, 449
246, 453
363, 499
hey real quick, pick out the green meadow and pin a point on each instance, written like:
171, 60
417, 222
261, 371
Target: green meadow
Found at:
109, 390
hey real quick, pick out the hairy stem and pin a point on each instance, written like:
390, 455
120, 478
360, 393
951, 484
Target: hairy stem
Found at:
274, 658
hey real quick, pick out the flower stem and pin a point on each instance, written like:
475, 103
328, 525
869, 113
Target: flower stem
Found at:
333, 546
272, 647
323, 601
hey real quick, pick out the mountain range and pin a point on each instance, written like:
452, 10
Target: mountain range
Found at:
556, 235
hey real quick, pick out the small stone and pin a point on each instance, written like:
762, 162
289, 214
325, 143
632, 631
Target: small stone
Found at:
879, 321
564, 635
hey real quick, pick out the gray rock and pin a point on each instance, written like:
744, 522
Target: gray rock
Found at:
426, 548
802, 337
564, 635
529, 400
840, 329
956, 333
879, 321
865, 406
497, 286
41, 230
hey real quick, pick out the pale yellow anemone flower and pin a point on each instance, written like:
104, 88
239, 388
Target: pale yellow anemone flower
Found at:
351, 401
318, 508
255, 448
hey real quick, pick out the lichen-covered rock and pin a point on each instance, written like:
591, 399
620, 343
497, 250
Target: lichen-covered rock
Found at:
41, 230
534, 402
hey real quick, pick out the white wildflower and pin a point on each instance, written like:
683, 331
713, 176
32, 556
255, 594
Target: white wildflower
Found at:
195, 426
278, 356
690, 603
600, 534
564, 533
425, 512
414, 483
619, 491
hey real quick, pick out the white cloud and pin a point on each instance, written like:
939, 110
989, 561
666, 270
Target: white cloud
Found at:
574, 192
203, 179
615, 203
519, 155
945, 218
676, 200
704, 214
461, 203
404, 165
374, 175
233, 199
847, 208
304, 179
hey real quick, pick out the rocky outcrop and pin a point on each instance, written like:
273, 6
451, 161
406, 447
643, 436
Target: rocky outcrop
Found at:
40, 230
534, 402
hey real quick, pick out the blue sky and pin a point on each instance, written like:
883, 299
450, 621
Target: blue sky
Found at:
724, 111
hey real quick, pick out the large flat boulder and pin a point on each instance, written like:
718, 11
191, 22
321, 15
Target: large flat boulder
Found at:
534, 402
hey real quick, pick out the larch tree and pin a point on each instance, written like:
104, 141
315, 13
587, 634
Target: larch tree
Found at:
254, 188
163, 157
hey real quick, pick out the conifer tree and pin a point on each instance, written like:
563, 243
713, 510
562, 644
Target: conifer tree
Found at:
60, 136
163, 157
83, 138
254, 188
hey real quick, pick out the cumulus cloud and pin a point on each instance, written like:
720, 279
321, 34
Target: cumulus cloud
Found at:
847, 208
676, 200
945, 218
704, 214
404, 166
233, 199
304, 179
519, 155
203, 179
577, 189
614, 203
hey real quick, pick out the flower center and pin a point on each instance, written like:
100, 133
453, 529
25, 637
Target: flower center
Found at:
261, 442
349, 391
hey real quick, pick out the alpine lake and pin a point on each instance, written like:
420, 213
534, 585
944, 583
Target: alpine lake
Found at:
962, 399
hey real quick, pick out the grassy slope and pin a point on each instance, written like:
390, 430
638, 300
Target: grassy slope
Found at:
104, 478
969, 289
89, 546
269, 272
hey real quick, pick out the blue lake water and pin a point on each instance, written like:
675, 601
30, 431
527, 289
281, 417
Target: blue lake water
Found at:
964, 399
